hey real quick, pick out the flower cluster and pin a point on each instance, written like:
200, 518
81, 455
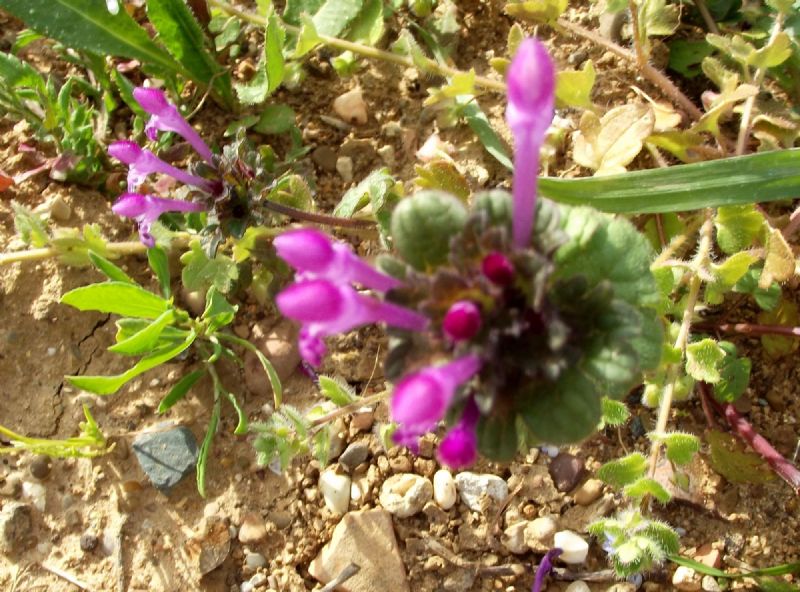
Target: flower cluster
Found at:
142, 163
324, 301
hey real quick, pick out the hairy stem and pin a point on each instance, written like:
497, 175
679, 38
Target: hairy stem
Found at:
652, 74
674, 372
325, 219
747, 111
349, 408
641, 57
426, 64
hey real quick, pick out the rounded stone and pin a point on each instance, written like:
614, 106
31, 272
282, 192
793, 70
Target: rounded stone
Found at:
253, 529
355, 454
335, 489
578, 586
88, 542
574, 547
40, 467
444, 489
589, 492
406, 495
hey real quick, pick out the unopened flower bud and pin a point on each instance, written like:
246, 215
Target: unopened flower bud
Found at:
462, 321
498, 269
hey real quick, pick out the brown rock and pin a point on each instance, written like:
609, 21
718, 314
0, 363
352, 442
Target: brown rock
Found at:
578, 518
325, 158
536, 484
566, 470
588, 492
253, 529
708, 555
367, 539
211, 548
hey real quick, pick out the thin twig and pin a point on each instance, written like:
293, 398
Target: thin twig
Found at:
354, 406
347, 573
66, 576
426, 64
651, 73
711, 24
752, 329
325, 219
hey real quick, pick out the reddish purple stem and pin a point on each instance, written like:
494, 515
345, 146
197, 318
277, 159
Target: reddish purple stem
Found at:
545, 567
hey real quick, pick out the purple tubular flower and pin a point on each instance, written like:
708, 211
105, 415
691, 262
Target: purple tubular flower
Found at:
545, 567
315, 255
462, 321
326, 308
165, 117
531, 87
459, 448
142, 162
421, 399
146, 209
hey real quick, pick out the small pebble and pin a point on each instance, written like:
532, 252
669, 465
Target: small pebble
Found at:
575, 548
539, 533
258, 579
566, 470
578, 586
405, 495
254, 561
589, 492
444, 489
355, 454
88, 542
351, 107
685, 578
59, 210
335, 489
35, 493
400, 464
15, 527
710, 584
344, 166
551, 451
253, 528
514, 538
362, 419
472, 487
40, 467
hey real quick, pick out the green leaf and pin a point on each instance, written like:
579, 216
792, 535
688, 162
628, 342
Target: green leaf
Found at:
442, 175
681, 447
498, 439
184, 39
786, 314
87, 25
321, 445
178, 392
218, 312
200, 272
734, 375
482, 128
737, 227
276, 119
272, 374
159, 263
368, 27
241, 425
623, 471
703, 360
308, 38
729, 460
645, 486
563, 412
117, 297
295, 8
574, 87
205, 448
106, 385
760, 177
537, 11
339, 393
685, 56
145, 340
271, 68
108, 269
374, 188
334, 16
31, 228
773, 54
767, 299
615, 413
422, 226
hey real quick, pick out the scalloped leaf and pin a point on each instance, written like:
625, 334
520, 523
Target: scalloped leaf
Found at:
623, 471
703, 360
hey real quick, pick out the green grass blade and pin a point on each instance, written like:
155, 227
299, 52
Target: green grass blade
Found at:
767, 176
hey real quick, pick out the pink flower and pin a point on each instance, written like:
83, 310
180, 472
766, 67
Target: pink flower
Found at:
421, 399
462, 321
142, 163
315, 255
326, 308
531, 90
146, 209
459, 447
165, 117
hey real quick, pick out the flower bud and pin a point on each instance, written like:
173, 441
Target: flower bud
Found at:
462, 321
498, 269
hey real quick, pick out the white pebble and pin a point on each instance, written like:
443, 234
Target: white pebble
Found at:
351, 107
472, 487
335, 490
574, 548
514, 538
444, 489
685, 578
344, 166
540, 530
35, 493
405, 495
551, 451
578, 586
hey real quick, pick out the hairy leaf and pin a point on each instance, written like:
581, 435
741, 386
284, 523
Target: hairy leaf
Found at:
623, 471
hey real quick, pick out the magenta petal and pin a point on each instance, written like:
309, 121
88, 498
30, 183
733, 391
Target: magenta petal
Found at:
311, 301
531, 95
498, 269
462, 321
152, 100
305, 250
459, 448
125, 151
130, 205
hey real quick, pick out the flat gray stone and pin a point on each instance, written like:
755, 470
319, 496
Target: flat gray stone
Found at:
166, 457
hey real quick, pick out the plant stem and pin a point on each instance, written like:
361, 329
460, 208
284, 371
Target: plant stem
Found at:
324, 219
747, 111
641, 57
426, 64
123, 248
751, 329
786, 470
682, 339
652, 74
354, 406
711, 25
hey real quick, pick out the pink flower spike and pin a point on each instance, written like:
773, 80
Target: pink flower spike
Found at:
531, 91
326, 308
165, 117
146, 209
315, 255
142, 163
420, 400
462, 321
459, 448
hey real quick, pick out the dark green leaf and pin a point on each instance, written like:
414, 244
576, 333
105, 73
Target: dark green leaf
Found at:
117, 297
87, 25
497, 437
179, 32
159, 263
482, 128
645, 486
373, 188
761, 177
734, 375
422, 226
334, 16
178, 392
241, 425
275, 119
